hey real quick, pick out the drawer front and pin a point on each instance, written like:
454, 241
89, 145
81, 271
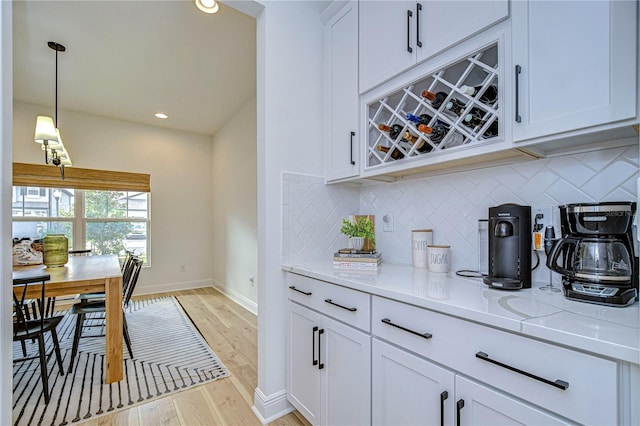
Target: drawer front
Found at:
344, 304
573, 384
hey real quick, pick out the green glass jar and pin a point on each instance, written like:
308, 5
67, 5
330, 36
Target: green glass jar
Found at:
55, 249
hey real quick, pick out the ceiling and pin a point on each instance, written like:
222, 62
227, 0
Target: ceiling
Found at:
130, 59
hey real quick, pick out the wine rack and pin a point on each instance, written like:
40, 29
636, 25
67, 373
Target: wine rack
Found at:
464, 113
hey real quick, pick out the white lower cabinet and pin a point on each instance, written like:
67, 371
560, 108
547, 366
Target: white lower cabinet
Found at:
329, 369
409, 390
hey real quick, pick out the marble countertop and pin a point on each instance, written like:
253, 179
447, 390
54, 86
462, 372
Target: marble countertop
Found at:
608, 331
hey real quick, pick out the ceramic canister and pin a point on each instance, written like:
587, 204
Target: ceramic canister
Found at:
439, 258
420, 239
55, 250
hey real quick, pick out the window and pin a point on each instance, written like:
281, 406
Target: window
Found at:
107, 222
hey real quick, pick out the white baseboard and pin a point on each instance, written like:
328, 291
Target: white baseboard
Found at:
271, 407
164, 288
240, 299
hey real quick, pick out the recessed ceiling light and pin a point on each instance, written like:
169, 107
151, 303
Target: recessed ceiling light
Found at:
207, 6
161, 115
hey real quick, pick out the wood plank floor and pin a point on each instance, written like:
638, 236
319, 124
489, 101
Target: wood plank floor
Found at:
232, 333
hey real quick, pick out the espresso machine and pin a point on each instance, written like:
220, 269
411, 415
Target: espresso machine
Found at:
597, 255
509, 247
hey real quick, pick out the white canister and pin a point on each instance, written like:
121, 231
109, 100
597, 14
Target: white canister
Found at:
420, 240
439, 258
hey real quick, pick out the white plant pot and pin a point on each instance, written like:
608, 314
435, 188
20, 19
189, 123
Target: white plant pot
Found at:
356, 243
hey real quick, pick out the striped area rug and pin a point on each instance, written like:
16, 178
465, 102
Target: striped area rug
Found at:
170, 355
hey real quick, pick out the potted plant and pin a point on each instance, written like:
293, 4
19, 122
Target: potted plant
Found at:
358, 230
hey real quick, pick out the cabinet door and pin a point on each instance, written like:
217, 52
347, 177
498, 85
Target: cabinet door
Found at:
436, 25
347, 375
303, 388
478, 405
342, 45
387, 40
577, 62
408, 390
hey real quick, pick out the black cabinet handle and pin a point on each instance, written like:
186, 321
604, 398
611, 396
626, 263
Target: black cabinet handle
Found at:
331, 302
418, 10
560, 384
321, 365
351, 150
409, 15
443, 397
314, 361
306, 293
459, 406
417, 333
518, 71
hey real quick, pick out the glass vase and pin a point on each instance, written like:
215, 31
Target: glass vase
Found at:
55, 249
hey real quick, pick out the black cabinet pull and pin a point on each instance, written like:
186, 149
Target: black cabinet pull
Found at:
423, 335
518, 71
560, 384
443, 396
314, 361
353, 163
331, 302
306, 293
320, 365
409, 15
459, 406
418, 10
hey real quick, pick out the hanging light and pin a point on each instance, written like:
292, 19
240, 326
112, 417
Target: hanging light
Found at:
47, 132
207, 6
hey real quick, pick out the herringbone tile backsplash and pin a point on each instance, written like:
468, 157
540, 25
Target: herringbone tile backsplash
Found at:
450, 204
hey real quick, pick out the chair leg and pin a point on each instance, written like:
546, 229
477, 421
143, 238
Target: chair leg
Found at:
56, 348
24, 348
76, 340
125, 330
43, 368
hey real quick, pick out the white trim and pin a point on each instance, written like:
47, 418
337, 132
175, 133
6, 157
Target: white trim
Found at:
272, 407
240, 299
167, 287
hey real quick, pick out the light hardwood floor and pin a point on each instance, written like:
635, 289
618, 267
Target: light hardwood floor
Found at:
232, 333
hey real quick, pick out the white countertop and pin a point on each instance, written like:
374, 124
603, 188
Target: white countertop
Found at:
608, 331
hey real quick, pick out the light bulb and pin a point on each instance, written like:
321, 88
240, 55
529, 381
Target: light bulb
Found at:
207, 6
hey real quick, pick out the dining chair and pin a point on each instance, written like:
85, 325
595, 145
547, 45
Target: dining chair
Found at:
30, 324
126, 268
91, 307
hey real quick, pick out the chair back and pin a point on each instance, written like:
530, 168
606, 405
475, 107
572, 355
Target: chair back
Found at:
129, 286
127, 260
23, 301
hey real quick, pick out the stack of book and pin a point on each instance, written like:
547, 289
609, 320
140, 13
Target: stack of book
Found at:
359, 260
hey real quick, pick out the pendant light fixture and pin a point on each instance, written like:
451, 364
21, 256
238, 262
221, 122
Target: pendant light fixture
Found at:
207, 6
47, 132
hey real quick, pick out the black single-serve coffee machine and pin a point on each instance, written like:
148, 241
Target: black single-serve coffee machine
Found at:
597, 253
509, 247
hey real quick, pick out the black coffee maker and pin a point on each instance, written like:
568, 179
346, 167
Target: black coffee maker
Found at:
509, 247
598, 260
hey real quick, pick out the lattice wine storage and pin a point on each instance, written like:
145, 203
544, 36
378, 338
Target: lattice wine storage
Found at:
447, 110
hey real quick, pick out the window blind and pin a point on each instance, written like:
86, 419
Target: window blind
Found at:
25, 174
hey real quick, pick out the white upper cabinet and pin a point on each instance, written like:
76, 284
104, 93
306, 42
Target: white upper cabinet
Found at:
341, 38
574, 65
395, 35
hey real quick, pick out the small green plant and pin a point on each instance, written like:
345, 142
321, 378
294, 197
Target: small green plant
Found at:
361, 228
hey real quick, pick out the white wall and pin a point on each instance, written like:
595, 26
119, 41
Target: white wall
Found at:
235, 240
181, 191
289, 111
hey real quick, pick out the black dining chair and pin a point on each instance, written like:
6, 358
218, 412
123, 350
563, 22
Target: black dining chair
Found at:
31, 323
92, 307
126, 268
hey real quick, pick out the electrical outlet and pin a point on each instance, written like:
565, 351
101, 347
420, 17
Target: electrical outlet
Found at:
541, 217
251, 280
387, 222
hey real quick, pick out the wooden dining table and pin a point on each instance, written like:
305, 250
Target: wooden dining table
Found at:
88, 274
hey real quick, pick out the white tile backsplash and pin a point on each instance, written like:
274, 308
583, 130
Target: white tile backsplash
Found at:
450, 204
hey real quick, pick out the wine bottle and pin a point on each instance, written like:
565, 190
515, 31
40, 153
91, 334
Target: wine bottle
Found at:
488, 97
419, 119
411, 138
436, 99
474, 118
438, 132
394, 131
492, 130
454, 106
395, 154
423, 145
